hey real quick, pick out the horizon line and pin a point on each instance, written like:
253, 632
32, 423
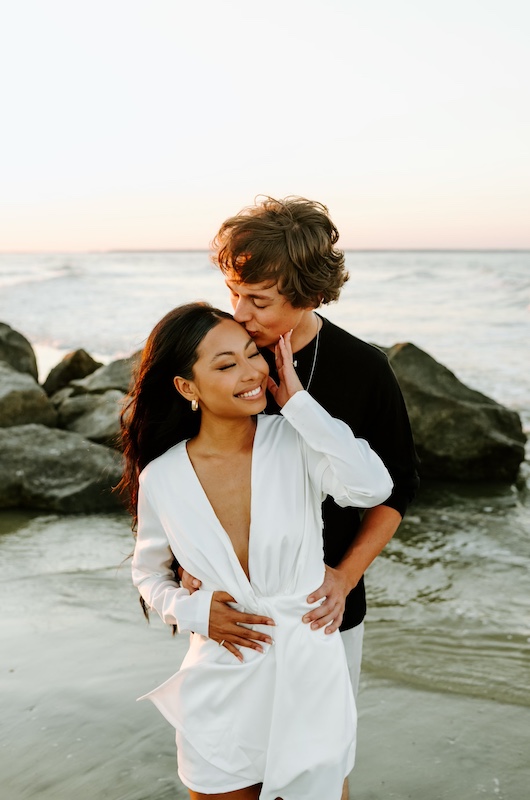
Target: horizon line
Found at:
206, 250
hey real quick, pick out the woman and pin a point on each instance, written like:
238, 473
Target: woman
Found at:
236, 498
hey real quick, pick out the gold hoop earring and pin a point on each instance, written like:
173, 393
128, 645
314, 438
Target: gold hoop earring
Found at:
194, 405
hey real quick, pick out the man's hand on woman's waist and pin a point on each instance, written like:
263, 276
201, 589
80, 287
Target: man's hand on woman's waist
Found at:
335, 590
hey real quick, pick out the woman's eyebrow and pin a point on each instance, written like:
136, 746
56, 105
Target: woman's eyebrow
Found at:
223, 353
231, 352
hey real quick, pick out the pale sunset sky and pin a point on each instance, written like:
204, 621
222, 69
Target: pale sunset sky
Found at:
131, 124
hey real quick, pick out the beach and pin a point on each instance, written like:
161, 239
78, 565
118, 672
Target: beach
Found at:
77, 653
444, 701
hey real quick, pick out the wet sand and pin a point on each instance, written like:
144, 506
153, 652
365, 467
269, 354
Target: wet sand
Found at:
76, 653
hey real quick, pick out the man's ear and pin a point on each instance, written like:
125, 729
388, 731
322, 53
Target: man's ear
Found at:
185, 388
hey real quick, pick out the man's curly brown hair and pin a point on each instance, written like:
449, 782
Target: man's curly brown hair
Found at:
289, 243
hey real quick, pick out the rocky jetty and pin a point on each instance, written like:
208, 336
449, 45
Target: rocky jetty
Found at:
91, 405
54, 470
59, 442
460, 434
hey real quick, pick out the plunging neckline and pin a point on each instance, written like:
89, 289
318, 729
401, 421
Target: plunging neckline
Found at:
224, 534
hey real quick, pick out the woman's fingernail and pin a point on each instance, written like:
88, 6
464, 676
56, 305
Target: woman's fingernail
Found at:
314, 626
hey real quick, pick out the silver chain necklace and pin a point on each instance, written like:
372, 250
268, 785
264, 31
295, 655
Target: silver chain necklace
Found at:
313, 365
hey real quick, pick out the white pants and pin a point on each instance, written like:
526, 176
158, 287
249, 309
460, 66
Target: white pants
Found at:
353, 645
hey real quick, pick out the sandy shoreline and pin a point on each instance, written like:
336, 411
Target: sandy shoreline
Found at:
76, 654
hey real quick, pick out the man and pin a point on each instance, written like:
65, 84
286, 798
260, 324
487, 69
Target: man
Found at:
280, 263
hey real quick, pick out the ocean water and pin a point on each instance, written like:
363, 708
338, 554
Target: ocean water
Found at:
445, 698
470, 310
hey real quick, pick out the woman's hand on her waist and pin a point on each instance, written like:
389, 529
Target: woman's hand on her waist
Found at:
227, 626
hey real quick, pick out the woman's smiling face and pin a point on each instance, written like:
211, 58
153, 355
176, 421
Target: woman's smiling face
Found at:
230, 374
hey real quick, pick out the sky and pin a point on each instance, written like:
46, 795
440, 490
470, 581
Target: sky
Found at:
143, 124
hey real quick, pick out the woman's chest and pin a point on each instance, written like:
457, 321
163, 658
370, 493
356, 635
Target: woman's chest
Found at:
227, 490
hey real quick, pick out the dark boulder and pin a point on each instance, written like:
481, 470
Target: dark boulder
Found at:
73, 366
116, 375
59, 397
16, 351
57, 471
94, 416
22, 400
71, 406
460, 434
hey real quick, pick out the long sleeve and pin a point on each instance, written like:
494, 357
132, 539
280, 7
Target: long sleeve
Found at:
153, 577
387, 427
341, 465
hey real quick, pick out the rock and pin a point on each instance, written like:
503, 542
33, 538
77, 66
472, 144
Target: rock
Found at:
16, 351
73, 366
95, 416
55, 470
116, 375
22, 400
460, 434
59, 397
71, 407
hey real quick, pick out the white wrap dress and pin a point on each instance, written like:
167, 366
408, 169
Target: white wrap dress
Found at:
286, 717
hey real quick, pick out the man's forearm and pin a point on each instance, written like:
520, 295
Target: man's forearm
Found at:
378, 526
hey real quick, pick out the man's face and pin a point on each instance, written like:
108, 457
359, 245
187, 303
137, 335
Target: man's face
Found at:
264, 312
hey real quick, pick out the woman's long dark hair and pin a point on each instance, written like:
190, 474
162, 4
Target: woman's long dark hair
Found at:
156, 416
